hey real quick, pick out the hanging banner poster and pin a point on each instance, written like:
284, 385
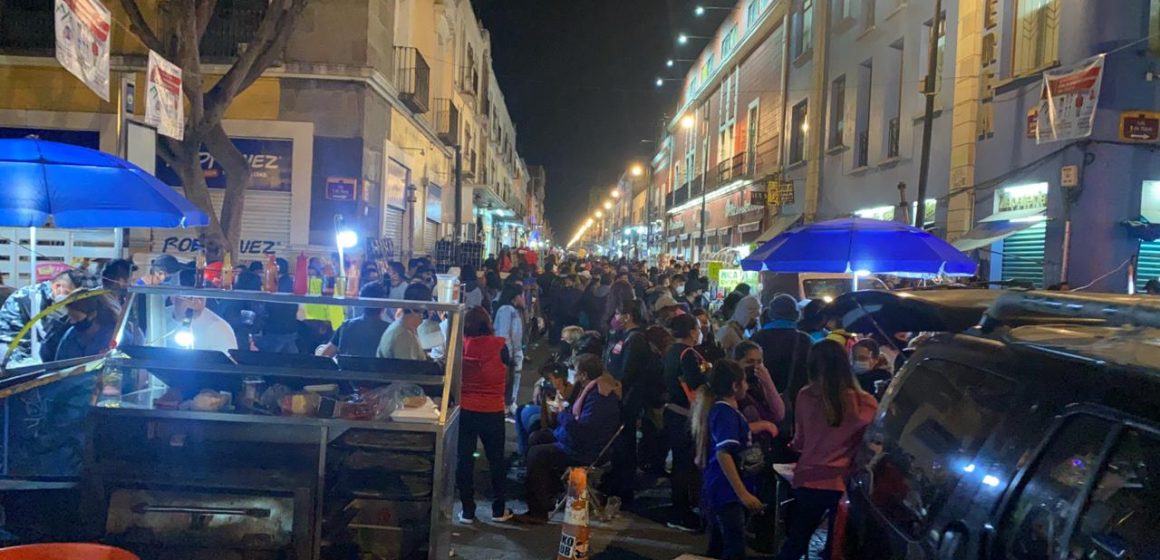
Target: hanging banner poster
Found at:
1067, 105
82, 42
163, 107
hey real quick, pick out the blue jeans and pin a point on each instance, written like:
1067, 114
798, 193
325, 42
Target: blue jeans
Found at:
727, 532
527, 421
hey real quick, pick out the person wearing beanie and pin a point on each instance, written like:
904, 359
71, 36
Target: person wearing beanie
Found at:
785, 348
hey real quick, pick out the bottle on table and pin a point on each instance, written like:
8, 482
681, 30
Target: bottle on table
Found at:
301, 275
270, 273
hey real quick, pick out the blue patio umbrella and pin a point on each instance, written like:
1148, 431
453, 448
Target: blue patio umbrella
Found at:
855, 245
84, 188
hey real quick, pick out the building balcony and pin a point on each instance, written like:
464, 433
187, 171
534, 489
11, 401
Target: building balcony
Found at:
231, 29
447, 121
680, 196
893, 148
862, 149
469, 80
734, 168
413, 79
669, 200
697, 186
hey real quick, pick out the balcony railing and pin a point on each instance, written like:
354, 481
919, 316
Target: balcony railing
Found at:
669, 200
892, 145
732, 168
469, 159
27, 29
447, 121
231, 28
680, 196
862, 150
413, 79
697, 186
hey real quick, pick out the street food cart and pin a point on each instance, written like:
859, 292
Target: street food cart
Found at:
201, 453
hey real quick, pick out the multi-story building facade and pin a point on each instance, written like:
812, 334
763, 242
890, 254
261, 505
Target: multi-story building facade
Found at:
373, 93
829, 96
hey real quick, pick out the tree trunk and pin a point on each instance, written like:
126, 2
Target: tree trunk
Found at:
237, 171
185, 158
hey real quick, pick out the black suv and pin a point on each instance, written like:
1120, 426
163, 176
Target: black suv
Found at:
1035, 435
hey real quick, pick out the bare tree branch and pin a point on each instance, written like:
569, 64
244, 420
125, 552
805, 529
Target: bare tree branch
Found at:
189, 59
237, 173
141, 28
272, 34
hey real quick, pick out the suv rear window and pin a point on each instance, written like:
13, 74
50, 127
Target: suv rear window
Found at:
1073, 507
929, 437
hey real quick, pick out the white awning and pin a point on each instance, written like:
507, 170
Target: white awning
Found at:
987, 233
778, 224
748, 228
1009, 215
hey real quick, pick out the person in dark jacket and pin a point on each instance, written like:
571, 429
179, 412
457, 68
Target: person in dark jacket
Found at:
361, 335
684, 373
25, 303
731, 300
786, 350
870, 367
584, 430
594, 302
565, 307
630, 360
92, 325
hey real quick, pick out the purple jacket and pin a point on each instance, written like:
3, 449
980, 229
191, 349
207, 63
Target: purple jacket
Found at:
583, 437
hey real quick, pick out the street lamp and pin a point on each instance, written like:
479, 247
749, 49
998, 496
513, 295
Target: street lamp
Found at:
636, 171
599, 214
688, 122
673, 61
614, 193
700, 10
684, 39
607, 205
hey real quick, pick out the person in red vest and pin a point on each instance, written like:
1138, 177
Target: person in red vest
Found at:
481, 417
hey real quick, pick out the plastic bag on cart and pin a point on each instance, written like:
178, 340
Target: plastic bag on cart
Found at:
385, 401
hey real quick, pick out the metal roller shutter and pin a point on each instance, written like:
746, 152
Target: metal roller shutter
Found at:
430, 236
393, 230
265, 224
1149, 263
1023, 255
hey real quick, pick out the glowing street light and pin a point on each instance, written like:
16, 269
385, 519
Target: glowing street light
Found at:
614, 193
607, 205
683, 39
636, 171
660, 82
700, 10
599, 214
687, 122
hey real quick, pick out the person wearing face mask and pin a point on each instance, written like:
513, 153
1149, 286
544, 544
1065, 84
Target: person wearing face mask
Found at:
744, 318
361, 336
684, 373
209, 330
92, 325
677, 284
26, 303
870, 366
630, 361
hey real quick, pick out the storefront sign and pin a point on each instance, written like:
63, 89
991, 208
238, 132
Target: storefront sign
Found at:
341, 188
82, 42
396, 184
176, 244
1140, 126
1023, 197
435, 203
785, 193
163, 102
270, 165
1069, 176
676, 224
1067, 107
732, 209
758, 198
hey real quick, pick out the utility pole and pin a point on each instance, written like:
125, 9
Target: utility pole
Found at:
929, 88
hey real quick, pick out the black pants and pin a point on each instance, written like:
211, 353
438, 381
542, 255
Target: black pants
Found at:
487, 427
686, 477
652, 448
622, 478
546, 465
727, 532
805, 513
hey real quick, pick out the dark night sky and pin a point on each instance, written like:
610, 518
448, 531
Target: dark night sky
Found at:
578, 77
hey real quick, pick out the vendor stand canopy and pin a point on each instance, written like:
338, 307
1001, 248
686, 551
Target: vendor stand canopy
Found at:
860, 246
84, 188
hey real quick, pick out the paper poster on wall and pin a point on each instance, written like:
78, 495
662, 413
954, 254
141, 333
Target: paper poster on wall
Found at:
163, 106
1068, 102
396, 184
82, 42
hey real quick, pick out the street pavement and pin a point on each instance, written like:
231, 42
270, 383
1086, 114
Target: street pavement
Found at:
629, 536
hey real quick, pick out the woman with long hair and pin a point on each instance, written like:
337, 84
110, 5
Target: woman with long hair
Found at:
722, 433
830, 416
485, 357
684, 373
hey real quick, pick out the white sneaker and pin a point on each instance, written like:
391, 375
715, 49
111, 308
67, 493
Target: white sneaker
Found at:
507, 516
464, 519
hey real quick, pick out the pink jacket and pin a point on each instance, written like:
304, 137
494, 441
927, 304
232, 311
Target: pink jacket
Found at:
827, 452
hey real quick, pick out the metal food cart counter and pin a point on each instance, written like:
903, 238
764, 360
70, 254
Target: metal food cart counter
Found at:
318, 470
